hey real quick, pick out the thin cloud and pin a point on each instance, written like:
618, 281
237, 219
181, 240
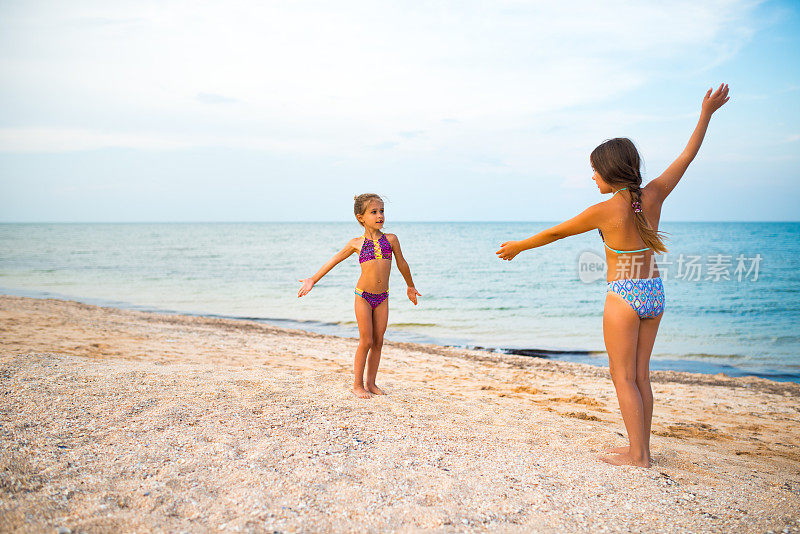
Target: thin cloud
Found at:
386, 145
54, 140
324, 69
211, 98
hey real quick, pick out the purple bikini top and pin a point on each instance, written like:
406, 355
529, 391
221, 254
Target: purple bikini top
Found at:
374, 249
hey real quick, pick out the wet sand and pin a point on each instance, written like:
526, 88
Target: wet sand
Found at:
119, 420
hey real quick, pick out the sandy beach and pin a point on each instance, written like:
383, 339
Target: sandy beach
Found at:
126, 421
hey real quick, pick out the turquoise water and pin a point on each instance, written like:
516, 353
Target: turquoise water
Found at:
470, 298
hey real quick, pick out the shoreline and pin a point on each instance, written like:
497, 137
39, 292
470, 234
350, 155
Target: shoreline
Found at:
689, 365
128, 421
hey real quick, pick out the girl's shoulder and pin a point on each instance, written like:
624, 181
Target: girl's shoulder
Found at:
604, 208
392, 238
356, 242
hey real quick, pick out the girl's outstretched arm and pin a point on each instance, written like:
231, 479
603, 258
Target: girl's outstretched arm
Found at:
588, 219
339, 257
664, 184
402, 265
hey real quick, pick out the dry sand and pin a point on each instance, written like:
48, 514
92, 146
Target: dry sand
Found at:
118, 420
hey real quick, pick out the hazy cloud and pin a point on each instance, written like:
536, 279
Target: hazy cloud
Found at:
303, 65
211, 98
386, 145
411, 134
491, 96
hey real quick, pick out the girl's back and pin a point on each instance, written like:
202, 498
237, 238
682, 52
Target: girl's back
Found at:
620, 233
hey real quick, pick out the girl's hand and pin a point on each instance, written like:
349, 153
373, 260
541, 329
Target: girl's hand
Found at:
508, 250
308, 283
413, 294
712, 103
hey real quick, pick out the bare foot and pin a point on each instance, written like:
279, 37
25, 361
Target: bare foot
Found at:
361, 393
618, 450
625, 459
376, 390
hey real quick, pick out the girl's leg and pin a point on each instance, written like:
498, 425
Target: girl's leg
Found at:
648, 328
380, 316
364, 320
647, 338
621, 332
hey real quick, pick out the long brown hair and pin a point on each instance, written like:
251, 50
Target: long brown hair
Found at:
617, 162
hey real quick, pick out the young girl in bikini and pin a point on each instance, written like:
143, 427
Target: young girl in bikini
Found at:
635, 295
372, 290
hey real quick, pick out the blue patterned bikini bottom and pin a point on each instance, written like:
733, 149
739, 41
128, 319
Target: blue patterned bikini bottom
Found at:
645, 295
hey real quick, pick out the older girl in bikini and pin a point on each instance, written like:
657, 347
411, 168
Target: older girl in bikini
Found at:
635, 294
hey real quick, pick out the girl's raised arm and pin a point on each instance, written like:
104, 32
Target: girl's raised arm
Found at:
339, 257
664, 184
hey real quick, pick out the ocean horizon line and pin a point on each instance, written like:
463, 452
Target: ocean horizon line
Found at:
391, 222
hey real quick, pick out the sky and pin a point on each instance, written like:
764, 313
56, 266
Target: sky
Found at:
453, 111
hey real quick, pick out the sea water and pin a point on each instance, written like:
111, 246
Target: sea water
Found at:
732, 289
